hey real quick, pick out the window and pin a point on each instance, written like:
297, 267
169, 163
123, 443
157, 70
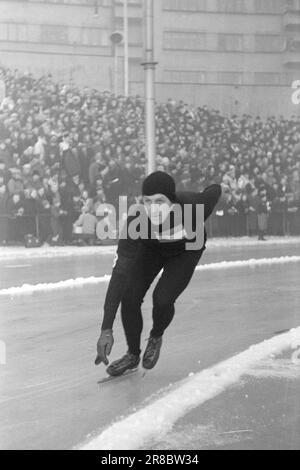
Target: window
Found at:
184, 40
232, 6
268, 43
185, 5
94, 37
198, 76
3, 32
267, 78
230, 78
268, 6
15, 32
227, 6
88, 3
184, 76
73, 2
230, 42
293, 5
54, 34
288, 78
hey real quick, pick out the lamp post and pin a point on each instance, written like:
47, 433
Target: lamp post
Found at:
116, 38
126, 47
149, 67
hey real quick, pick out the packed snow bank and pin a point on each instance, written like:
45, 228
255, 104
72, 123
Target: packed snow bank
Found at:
21, 253
156, 419
27, 289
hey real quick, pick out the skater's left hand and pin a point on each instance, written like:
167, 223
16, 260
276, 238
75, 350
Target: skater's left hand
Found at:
104, 347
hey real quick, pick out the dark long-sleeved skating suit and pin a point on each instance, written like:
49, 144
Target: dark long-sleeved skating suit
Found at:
138, 263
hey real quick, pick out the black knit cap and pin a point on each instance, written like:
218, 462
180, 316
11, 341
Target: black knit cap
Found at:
160, 183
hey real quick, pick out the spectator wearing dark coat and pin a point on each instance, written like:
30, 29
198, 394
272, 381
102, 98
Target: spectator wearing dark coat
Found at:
112, 183
15, 211
71, 162
3, 212
278, 212
30, 206
43, 211
55, 127
15, 184
263, 210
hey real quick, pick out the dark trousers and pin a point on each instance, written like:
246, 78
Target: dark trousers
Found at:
177, 273
67, 228
3, 228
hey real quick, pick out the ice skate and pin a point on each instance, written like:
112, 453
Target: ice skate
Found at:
129, 362
152, 353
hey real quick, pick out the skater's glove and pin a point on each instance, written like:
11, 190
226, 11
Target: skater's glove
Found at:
104, 347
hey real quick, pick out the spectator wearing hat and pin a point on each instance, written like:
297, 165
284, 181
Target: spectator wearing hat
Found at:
5, 156
3, 212
46, 119
293, 213
15, 184
15, 211
97, 169
52, 159
37, 183
56, 225
71, 162
85, 225
27, 175
185, 183
30, 211
85, 155
43, 211
112, 182
263, 210
39, 147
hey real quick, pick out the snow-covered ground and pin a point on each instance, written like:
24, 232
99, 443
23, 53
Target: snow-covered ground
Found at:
158, 418
217, 383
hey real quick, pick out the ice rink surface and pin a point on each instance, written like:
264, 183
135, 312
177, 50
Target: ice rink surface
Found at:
50, 397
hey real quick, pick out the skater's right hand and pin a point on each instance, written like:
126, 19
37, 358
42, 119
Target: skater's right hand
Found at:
104, 347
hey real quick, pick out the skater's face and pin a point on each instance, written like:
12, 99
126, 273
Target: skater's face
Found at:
158, 208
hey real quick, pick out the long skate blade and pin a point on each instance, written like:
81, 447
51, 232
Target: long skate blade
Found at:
111, 378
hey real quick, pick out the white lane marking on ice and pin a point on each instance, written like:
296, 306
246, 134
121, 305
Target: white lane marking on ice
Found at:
249, 263
242, 431
12, 266
156, 419
28, 289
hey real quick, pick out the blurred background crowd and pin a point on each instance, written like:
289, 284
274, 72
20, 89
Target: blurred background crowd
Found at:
64, 151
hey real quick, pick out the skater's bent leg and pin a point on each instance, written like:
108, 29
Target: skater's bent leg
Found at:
163, 312
145, 271
177, 274
132, 321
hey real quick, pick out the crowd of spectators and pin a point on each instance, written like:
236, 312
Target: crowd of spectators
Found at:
64, 151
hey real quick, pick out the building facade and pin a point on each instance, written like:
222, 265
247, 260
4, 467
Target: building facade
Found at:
239, 56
